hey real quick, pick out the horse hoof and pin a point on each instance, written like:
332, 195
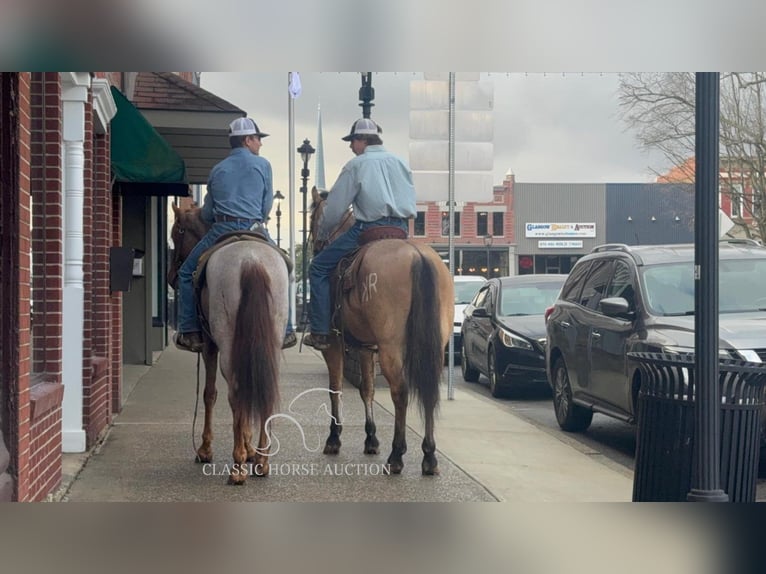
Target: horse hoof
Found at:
236, 480
203, 458
331, 448
430, 471
371, 446
395, 467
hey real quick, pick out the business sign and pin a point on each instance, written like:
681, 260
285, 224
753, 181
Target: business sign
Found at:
559, 244
561, 230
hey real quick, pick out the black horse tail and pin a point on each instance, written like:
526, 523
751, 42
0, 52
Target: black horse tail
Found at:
424, 353
256, 346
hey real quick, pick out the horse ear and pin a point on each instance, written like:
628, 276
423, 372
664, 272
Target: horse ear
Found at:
176, 210
316, 198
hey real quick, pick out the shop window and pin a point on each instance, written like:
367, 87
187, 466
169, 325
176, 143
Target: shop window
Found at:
526, 265
420, 224
481, 224
498, 219
445, 223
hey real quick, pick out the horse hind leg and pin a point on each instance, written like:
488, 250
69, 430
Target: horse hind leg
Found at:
392, 371
241, 422
334, 359
367, 392
430, 465
210, 357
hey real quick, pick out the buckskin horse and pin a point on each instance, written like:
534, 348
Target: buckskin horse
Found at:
244, 303
395, 299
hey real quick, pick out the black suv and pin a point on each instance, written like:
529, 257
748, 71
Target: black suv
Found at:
620, 299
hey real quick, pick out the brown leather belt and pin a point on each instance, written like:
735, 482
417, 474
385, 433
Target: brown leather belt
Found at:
228, 218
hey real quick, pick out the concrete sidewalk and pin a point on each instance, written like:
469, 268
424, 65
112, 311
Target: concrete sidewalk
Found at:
485, 453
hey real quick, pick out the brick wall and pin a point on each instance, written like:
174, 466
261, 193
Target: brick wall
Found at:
20, 430
47, 215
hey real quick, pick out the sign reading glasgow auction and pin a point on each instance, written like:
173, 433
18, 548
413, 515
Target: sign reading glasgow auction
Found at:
561, 230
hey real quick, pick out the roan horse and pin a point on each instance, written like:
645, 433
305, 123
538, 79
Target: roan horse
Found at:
244, 301
400, 300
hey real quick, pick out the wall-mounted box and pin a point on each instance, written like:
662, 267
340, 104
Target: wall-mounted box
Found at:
120, 268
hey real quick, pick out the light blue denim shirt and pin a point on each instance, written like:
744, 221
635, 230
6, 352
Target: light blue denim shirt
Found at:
239, 186
376, 183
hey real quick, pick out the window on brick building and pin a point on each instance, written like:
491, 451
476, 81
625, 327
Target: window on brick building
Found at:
481, 224
736, 200
498, 229
420, 224
445, 223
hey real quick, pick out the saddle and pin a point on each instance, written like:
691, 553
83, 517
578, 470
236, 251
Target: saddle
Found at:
199, 276
344, 279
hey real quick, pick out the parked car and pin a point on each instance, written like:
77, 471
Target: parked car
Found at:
466, 287
503, 332
620, 299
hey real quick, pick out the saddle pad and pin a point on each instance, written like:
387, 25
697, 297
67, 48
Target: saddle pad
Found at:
381, 232
232, 237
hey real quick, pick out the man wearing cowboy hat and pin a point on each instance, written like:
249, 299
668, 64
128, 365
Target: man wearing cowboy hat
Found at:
239, 196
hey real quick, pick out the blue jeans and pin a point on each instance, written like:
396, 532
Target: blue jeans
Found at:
323, 264
187, 308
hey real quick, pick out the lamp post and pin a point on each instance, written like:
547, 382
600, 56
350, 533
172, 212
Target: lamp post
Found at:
366, 94
279, 197
305, 151
487, 245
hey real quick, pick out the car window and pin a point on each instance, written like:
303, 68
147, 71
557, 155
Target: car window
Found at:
465, 291
669, 288
573, 285
481, 298
622, 284
529, 299
595, 286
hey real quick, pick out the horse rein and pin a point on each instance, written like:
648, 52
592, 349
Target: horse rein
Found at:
319, 245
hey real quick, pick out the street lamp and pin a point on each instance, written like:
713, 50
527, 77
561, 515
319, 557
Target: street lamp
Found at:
487, 245
305, 151
366, 94
279, 197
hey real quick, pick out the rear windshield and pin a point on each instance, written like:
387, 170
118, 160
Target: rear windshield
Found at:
669, 288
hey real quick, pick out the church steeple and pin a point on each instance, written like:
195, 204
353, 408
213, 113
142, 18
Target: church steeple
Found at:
319, 169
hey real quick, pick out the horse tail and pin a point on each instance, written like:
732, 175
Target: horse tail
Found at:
256, 346
423, 355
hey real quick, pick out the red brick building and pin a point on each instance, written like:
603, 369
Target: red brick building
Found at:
63, 213
484, 232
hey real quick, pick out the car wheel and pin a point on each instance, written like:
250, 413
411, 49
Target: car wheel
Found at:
571, 417
470, 375
494, 379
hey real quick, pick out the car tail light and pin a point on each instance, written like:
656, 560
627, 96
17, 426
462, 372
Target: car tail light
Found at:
548, 312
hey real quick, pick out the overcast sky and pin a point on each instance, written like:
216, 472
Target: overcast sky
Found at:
547, 128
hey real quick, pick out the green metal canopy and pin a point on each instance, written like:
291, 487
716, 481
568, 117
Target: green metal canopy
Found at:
142, 161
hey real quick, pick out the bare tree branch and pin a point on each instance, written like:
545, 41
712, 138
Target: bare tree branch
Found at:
660, 109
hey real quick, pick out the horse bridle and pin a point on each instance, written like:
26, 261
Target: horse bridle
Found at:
317, 245
178, 260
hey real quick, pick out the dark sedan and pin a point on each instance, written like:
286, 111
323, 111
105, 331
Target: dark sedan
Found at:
503, 333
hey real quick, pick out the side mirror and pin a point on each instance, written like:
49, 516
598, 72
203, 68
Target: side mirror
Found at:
615, 307
480, 313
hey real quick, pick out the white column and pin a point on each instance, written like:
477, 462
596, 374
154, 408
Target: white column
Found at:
74, 95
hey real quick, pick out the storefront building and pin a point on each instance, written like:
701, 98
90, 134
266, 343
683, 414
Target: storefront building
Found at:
556, 224
483, 232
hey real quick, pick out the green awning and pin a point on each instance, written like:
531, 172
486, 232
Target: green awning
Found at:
141, 158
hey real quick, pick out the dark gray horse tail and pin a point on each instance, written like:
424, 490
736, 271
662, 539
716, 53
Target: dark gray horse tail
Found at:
424, 354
